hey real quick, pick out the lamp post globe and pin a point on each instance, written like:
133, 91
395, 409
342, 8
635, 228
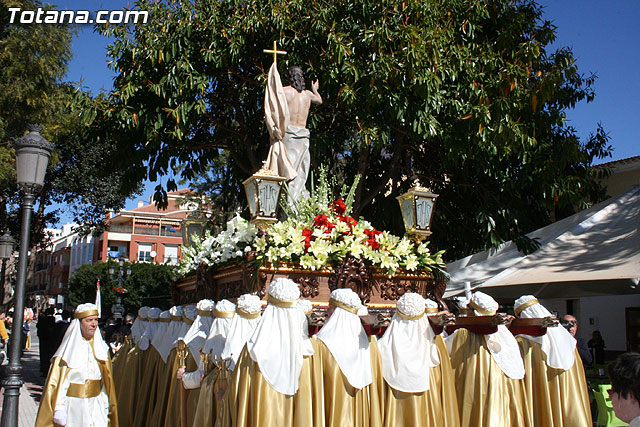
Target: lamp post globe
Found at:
32, 158
6, 246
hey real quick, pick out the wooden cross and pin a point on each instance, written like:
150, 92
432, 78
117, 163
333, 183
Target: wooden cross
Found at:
275, 52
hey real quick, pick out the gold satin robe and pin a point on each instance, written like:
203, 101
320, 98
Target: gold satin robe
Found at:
211, 394
127, 387
344, 405
251, 402
172, 415
165, 376
145, 402
486, 396
58, 372
436, 407
557, 398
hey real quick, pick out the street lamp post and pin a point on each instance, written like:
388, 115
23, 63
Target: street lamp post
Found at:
121, 276
32, 157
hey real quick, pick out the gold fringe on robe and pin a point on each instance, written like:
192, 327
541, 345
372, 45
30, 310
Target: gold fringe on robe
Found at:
435, 407
486, 396
557, 398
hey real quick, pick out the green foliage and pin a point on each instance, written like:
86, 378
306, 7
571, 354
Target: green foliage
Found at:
463, 94
148, 284
33, 61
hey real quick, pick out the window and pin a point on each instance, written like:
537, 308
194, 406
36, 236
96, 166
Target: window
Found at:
171, 254
144, 252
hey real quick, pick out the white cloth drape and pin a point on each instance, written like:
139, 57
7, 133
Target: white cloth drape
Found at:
557, 343
348, 343
407, 352
276, 113
277, 346
239, 332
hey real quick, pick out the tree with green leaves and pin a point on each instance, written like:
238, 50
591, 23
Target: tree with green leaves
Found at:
149, 284
33, 62
462, 94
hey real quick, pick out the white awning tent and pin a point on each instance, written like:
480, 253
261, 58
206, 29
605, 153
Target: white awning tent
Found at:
594, 252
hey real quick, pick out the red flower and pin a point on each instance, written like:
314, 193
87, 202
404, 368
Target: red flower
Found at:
371, 241
338, 206
307, 233
320, 220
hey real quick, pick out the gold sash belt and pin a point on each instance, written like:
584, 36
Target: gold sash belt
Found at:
481, 310
343, 306
407, 317
223, 314
176, 318
91, 388
247, 315
525, 305
163, 319
205, 313
282, 304
431, 310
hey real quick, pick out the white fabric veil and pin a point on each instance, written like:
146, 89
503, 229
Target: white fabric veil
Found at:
223, 316
557, 343
407, 348
277, 342
501, 344
199, 330
150, 330
347, 341
242, 326
67, 350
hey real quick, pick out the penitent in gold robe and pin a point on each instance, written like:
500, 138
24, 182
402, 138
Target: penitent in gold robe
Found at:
344, 405
58, 372
165, 376
486, 396
211, 393
252, 402
558, 398
436, 407
127, 386
146, 399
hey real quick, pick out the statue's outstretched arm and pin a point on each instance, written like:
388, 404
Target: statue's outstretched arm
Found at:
315, 96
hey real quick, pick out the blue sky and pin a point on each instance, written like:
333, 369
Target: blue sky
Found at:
603, 36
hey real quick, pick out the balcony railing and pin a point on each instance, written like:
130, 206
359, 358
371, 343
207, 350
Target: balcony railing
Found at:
147, 230
118, 228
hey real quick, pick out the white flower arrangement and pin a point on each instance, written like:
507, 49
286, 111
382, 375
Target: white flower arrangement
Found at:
249, 303
347, 296
190, 312
205, 305
333, 235
411, 304
284, 289
225, 305
228, 246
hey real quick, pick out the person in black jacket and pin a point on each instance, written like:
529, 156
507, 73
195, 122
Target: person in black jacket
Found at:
46, 336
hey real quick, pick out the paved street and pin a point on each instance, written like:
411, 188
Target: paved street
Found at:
33, 383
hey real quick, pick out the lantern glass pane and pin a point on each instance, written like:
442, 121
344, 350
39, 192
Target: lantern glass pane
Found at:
269, 197
424, 206
250, 189
406, 206
31, 166
5, 250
